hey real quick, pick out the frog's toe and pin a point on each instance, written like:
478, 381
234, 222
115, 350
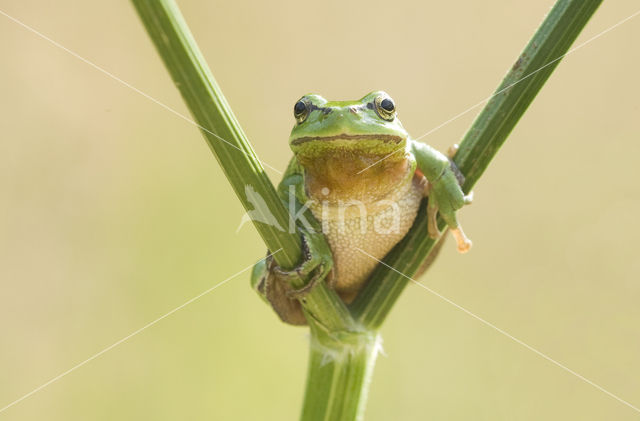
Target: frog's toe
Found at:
286, 288
453, 149
312, 262
464, 244
468, 199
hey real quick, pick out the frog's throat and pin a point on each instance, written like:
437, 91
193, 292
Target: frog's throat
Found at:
335, 178
386, 138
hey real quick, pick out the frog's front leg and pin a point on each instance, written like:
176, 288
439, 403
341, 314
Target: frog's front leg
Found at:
276, 285
284, 289
443, 189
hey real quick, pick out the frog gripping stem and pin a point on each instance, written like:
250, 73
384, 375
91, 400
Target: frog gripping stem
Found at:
284, 289
462, 241
445, 196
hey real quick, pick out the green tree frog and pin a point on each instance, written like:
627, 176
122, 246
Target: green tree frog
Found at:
356, 181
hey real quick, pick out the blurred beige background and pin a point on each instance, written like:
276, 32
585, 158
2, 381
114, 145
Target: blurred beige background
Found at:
113, 212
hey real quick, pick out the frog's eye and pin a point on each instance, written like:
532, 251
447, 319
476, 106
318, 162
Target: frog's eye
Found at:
385, 107
301, 110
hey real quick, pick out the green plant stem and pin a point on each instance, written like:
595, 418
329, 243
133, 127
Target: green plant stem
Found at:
338, 376
478, 147
218, 125
230, 146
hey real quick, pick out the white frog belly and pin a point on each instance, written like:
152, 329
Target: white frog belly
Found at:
374, 228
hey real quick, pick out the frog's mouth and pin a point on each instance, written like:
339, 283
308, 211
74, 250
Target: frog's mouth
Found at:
386, 138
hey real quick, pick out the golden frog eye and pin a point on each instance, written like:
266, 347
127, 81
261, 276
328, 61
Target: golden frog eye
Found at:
385, 107
301, 110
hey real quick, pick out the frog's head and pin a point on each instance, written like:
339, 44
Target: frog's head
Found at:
367, 129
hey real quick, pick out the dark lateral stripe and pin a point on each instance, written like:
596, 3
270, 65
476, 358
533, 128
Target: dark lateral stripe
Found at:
325, 110
387, 138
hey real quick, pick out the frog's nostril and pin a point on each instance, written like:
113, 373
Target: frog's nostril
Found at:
353, 110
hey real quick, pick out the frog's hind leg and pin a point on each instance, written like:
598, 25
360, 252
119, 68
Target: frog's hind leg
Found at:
269, 283
432, 212
279, 293
432, 221
464, 244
